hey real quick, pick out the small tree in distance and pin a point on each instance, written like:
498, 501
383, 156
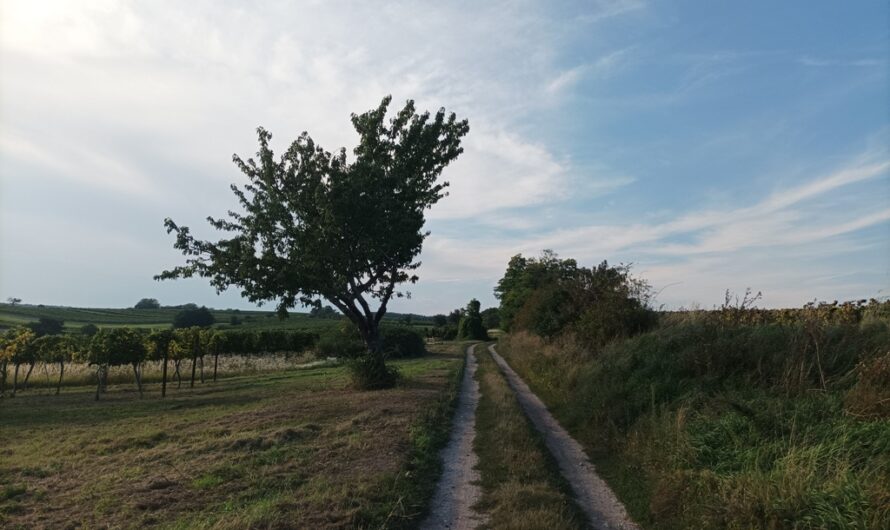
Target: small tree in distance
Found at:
147, 303
187, 318
470, 326
316, 226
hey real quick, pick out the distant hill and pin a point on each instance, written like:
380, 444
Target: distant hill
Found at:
75, 317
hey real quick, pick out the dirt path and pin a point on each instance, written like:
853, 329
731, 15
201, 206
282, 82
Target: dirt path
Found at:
458, 489
592, 494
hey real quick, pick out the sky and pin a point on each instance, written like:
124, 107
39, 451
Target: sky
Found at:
713, 145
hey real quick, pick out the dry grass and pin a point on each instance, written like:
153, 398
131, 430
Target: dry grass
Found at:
286, 449
521, 485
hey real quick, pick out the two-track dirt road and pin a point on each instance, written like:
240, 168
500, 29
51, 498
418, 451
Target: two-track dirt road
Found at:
458, 490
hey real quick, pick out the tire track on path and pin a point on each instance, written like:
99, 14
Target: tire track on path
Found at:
458, 488
592, 494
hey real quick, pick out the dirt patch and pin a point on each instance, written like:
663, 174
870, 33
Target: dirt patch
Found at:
458, 489
592, 493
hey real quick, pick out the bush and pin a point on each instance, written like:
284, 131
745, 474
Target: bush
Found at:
342, 341
370, 372
191, 317
402, 341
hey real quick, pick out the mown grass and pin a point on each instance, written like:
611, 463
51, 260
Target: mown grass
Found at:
521, 484
754, 426
287, 449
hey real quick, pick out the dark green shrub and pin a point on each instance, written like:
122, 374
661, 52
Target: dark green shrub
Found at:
402, 341
339, 344
370, 372
470, 325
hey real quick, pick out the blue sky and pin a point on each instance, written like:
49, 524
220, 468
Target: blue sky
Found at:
715, 145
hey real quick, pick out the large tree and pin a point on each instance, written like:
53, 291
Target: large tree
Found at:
317, 226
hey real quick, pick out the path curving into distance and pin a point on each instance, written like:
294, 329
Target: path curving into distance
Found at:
592, 494
458, 488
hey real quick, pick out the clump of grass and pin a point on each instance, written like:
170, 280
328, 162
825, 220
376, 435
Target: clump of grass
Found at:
521, 484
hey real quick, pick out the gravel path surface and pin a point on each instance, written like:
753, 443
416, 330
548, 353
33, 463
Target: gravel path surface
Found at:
592, 494
458, 489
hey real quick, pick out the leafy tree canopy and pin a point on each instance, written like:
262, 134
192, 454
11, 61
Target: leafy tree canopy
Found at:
199, 316
549, 295
470, 326
46, 326
147, 303
316, 225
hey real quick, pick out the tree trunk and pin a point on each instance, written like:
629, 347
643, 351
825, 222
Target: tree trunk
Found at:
61, 375
98, 381
215, 363
164, 376
104, 384
15, 379
202, 369
28, 375
138, 378
194, 363
176, 364
3, 369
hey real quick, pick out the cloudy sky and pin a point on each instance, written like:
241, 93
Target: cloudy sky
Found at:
715, 145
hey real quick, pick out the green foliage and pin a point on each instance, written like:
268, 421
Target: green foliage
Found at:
158, 344
470, 326
147, 303
17, 346
316, 226
491, 318
370, 372
550, 296
731, 418
52, 349
116, 347
199, 316
46, 326
402, 341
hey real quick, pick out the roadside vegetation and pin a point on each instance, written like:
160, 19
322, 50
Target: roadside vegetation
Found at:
736, 417
521, 484
295, 448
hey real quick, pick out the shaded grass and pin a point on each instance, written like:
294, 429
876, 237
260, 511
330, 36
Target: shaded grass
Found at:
521, 483
290, 449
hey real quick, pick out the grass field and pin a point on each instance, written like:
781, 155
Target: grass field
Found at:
288, 449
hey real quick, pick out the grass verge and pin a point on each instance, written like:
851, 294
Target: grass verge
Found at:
755, 426
521, 484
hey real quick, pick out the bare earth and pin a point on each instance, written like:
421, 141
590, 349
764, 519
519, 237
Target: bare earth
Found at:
592, 494
458, 489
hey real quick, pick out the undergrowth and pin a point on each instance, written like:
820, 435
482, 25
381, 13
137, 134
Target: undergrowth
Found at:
713, 423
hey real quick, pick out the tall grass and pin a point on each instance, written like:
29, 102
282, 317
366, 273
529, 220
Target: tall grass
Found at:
707, 422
